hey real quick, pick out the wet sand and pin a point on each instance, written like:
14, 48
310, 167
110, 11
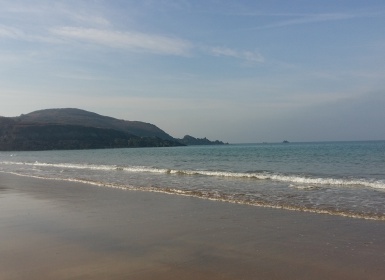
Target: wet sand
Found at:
63, 230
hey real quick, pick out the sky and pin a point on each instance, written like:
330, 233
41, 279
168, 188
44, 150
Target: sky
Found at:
241, 71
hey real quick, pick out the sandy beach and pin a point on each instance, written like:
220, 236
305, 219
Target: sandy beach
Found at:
63, 230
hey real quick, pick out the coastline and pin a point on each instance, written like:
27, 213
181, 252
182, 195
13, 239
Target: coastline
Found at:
64, 230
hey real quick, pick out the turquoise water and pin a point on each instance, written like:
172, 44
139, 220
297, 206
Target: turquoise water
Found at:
338, 178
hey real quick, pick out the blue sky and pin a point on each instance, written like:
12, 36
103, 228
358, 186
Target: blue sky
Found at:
239, 71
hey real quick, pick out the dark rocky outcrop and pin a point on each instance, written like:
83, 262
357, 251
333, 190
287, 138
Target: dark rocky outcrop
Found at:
189, 140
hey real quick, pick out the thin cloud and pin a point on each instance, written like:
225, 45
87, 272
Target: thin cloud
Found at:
126, 40
10, 32
312, 18
69, 24
244, 55
130, 41
54, 13
136, 41
88, 19
13, 33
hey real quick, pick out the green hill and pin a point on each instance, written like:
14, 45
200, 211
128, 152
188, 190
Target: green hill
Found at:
72, 116
58, 129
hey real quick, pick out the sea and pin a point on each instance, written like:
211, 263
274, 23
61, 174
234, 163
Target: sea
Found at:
331, 178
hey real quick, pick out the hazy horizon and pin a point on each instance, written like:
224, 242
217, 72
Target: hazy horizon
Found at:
237, 71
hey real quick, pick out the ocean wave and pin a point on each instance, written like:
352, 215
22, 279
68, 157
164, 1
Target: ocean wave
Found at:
218, 196
296, 181
304, 187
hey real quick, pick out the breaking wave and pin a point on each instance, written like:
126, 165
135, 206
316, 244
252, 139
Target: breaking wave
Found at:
296, 180
218, 196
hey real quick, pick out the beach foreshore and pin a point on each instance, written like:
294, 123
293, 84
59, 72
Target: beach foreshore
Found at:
52, 229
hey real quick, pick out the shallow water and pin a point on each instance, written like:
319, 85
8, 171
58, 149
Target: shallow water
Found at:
339, 178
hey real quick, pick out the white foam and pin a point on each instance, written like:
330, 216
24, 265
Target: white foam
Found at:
211, 196
293, 179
